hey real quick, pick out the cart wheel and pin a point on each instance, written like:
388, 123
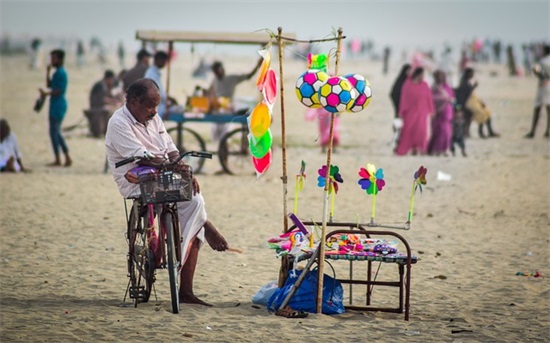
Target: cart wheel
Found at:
234, 154
191, 140
141, 267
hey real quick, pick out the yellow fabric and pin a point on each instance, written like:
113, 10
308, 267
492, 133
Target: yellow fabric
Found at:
480, 112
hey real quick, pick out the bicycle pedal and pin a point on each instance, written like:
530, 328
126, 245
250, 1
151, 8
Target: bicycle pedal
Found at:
137, 292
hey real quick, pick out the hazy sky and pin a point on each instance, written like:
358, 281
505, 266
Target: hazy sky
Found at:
397, 23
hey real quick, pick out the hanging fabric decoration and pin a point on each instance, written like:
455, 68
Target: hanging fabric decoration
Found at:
260, 139
266, 64
259, 120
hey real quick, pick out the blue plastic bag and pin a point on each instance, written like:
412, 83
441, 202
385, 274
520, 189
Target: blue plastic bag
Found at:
305, 297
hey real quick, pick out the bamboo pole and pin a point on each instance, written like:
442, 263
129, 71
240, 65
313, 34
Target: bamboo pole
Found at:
285, 262
168, 64
284, 178
321, 268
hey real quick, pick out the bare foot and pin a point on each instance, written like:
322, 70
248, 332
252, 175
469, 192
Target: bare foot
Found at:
68, 162
214, 237
54, 164
192, 299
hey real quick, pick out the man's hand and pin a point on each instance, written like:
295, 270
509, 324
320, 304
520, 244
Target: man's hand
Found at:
131, 177
196, 187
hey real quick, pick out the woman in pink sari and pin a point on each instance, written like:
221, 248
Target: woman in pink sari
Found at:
416, 107
442, 122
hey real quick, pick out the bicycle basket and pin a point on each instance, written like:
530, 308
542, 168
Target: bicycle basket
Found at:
166, 186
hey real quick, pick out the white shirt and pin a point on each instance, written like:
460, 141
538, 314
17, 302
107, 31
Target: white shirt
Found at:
126, 137
153, 73
9, 148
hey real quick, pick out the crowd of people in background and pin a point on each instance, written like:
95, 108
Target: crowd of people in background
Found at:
428, 119
433, 120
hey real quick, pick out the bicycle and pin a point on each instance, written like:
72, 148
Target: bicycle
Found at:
149, 250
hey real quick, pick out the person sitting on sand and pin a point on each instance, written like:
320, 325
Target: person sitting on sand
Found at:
101, 95
135, 128
10, 157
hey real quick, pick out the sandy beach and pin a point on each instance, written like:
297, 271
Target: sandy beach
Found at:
63, 264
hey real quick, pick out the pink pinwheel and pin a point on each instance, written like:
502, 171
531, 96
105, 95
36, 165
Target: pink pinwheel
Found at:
334, 177
420, 178
372, 179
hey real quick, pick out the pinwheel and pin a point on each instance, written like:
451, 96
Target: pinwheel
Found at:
419, 180
372, 181
333, 179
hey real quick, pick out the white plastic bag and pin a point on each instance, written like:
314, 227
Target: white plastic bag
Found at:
265, 293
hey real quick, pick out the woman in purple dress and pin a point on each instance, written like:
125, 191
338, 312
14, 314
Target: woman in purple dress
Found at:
442, 122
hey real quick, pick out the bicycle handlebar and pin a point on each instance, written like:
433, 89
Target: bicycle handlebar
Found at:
200, 154
125, 161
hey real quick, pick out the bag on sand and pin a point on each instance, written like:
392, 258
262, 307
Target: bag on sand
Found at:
304, 299
263, 295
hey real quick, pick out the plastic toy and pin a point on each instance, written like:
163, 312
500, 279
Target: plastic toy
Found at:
364, 92
337, 94
308, 85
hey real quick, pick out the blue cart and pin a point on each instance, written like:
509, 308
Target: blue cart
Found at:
233, 152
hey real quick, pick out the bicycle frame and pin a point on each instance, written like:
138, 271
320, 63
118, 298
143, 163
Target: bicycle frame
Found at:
160, 250
157, 238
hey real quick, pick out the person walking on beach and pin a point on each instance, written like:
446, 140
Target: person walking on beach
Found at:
395, 94
542, 99
416, 107
135, 128
474, 109
79, 53
443, 96
323, 117
512, 68
57, 85
121, 53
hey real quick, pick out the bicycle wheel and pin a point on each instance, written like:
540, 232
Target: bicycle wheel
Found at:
172, 261
234, 154
191, 140
141, 265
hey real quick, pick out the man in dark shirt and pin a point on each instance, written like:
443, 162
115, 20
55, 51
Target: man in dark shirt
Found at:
101, 94
138, 71
102, 103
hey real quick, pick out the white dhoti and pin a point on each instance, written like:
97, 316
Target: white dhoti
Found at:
192, 216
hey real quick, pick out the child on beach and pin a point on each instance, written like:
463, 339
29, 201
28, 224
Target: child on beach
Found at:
323, 116
458, 131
